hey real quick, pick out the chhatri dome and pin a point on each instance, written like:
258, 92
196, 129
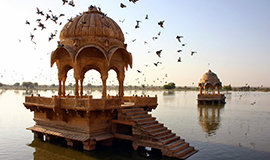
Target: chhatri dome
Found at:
209, 80
91, 41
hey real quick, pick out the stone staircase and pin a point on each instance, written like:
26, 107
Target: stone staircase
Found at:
151, 133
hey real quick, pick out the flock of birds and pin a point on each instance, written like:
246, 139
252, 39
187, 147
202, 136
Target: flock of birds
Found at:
161, 24
50, 16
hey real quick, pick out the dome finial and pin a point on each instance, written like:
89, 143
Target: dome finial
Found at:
92, 9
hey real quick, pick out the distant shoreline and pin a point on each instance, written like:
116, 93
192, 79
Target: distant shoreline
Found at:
178, 88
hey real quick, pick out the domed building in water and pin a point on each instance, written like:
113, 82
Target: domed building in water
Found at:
210, 81
94, 41
91, 41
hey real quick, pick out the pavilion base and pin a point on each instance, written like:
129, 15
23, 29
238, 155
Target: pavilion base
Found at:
204, 99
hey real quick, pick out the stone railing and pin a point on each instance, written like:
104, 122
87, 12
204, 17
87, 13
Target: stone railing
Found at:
210, 96
86, 102
141, 100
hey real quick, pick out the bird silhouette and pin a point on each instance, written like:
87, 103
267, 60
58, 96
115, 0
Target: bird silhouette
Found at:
160, 23
32, 36
179, 50
183, 45
133, 1
27, 22
159, 33
145, 42
137, 25
39, 12
159, 53
146, 16
179, 59
47, 17
192, 52
179, 38
71, 3
154, 38
122, 21
122, 5
64, 2
138, 71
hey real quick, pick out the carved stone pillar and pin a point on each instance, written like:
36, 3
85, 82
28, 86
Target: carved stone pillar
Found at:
121, 85
104, 90
59, 87
200, 89
81, 92
76, 87
64, 86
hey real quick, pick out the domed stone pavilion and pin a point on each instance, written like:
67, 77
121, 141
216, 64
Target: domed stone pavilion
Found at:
91, 41
94, 41
210, 80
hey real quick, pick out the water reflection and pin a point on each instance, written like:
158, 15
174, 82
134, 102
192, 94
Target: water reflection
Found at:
209, 118
168, 93
121, 150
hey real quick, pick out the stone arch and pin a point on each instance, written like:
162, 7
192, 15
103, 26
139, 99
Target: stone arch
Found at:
90, 55
120, 54
62, 54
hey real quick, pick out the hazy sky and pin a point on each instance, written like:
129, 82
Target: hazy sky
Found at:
231, 38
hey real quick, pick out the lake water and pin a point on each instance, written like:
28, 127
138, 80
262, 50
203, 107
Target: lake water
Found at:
237, 130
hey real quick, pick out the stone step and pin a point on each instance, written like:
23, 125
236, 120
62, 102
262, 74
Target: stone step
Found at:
188, 154
184, 151
150, 126
166, 136
153, 130
175, 143
135, 112
144, 119
161, 133
170, 140
179, 147
147, 122
140, 116
124, 110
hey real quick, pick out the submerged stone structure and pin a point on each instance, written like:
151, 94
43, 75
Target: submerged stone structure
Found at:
94, 41
210, 80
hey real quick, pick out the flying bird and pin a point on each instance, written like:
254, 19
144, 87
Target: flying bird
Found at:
122, 21
64, 2
138, 71
179, 50
133, 1
146, 16
160, 23
179, 59
145, 42
137, 25
159, 33
133, 40
39, 12
178, 38
192, 52
71, 3
122, 5
159, 53
47, 17
32, 36
27, 22
154, 38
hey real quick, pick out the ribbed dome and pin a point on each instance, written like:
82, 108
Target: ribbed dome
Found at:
210, 77
91, 26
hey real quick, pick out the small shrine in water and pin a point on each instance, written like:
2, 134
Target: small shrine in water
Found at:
94, 41
210, 81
